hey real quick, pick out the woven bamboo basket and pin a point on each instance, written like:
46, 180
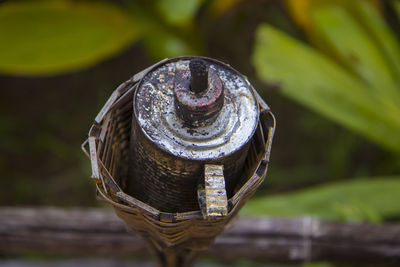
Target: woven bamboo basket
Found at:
186, 232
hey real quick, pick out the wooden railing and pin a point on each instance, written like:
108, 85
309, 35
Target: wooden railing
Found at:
91, 232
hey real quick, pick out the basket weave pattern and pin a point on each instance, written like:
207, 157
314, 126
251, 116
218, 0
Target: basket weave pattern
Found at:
107, 147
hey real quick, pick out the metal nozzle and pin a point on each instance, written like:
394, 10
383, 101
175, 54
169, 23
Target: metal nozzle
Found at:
198, 75
199, 100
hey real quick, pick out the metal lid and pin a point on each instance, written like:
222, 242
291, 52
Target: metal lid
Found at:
193, 123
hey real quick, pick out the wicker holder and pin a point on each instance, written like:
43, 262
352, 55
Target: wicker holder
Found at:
175, 237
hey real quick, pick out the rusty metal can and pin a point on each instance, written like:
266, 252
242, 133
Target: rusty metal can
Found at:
188, 112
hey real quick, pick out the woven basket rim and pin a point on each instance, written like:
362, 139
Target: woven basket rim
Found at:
123, 94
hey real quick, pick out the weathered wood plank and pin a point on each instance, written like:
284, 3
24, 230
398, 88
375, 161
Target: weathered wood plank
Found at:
99, 232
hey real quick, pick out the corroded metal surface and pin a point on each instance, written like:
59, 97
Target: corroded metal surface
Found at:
198, 109
198, 76
155, 112
169, 149
216, 202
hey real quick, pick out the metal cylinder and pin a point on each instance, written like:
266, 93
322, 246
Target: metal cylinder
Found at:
176, 129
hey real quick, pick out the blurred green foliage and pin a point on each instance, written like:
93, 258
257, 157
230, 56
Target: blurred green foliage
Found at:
359, 89
178, 12
346, 67
350, 75
46, 37
161, 36
319, 83
361, 199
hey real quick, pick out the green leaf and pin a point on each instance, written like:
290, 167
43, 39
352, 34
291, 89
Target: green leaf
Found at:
48, 37
317, 82
161, 45
363, 199
381, 34
178, 12
355, 48
161, 40
396, 5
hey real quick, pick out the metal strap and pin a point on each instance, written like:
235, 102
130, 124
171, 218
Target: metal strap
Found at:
216, 202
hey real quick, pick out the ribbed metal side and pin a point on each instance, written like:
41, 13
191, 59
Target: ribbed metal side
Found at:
169, 183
